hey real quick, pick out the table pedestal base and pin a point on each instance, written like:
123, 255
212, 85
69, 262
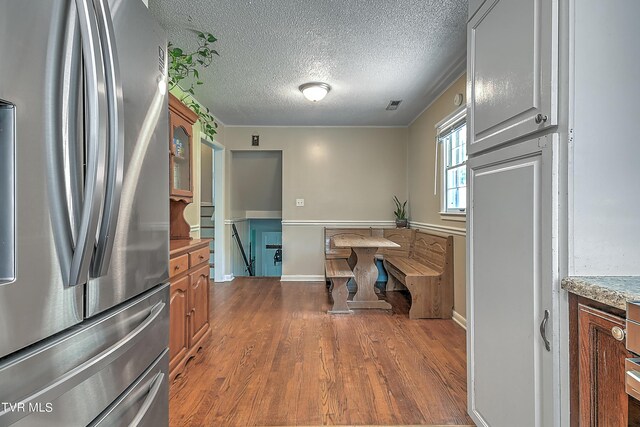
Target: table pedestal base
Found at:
369, 304
366, 274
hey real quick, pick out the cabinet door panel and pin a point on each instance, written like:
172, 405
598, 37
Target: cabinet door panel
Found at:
510, 370
474, 5
178, 328
512, 76
603, 400
199, 304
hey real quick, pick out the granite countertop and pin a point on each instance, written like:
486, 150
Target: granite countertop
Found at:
610, 290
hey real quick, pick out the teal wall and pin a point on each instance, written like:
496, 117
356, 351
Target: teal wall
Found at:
256, 228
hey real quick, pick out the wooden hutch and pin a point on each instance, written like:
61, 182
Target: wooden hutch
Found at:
188, 258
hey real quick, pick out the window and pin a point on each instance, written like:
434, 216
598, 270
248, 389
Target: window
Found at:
452, 141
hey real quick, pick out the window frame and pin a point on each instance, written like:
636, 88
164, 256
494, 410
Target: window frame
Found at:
443, 128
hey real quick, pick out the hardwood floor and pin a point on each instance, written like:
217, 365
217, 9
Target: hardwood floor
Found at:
276, 358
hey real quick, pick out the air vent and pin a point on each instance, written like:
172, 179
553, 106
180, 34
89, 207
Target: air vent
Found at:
393, 105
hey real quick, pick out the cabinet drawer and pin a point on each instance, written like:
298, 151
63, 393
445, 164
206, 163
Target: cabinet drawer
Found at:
178, 264
199, 256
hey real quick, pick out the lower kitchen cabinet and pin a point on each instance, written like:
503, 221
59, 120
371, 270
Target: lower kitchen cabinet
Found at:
189, 301
598, 355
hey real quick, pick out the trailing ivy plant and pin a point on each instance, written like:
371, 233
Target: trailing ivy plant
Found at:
185, 67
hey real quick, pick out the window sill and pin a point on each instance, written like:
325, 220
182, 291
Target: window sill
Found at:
453, 216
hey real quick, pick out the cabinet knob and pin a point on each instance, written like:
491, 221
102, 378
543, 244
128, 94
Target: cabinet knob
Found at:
541, 118
618, 333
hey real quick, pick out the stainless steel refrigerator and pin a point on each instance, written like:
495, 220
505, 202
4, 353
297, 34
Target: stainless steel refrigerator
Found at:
84, 214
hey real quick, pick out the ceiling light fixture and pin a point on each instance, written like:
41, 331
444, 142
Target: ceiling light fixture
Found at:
314, 91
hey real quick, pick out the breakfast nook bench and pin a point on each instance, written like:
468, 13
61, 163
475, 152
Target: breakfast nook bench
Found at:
428, 274
339, 272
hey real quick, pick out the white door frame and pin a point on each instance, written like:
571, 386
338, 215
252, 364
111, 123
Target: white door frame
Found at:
218, 196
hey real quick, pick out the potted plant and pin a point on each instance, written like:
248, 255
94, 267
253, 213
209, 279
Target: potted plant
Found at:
185, 67
400, 213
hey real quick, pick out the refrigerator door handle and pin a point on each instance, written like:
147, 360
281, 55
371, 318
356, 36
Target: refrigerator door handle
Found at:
8, 192
148, 402
115, 150
96, 134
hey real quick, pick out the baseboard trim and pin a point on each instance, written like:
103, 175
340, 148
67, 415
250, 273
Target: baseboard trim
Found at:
457, 317
456, 231
302, 278
228, 277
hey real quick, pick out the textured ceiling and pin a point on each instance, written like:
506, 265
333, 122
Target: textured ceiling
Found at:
369, 51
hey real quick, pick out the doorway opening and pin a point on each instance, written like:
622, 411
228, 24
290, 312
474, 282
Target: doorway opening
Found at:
256, 209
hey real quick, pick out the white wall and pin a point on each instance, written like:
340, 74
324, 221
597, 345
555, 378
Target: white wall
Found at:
206, 174
604, 151
345, 174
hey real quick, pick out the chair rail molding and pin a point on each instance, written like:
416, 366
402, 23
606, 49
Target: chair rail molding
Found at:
455, 231
338, 223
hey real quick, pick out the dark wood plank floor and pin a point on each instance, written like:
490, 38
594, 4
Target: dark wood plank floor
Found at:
276, 358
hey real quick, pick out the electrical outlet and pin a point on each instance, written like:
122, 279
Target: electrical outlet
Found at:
299, 202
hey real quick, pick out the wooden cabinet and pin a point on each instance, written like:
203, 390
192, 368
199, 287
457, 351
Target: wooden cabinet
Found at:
512, 85
189, 302
199, 303
510, 286
598, 367
178, 324
181, 121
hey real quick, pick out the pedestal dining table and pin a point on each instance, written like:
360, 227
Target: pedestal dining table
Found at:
365, 271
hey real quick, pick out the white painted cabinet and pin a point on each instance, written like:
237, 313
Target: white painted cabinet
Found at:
511, 271
512, 85
474, 5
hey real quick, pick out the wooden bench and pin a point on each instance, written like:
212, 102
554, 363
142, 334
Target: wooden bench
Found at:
428, 274
402, 236
341, 253
339, 272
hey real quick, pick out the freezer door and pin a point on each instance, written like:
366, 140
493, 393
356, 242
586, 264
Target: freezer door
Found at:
40, 51
72, 379
140, 245
145, 403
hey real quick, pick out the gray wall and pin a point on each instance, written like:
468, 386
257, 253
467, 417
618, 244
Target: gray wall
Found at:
344, 174
256, 181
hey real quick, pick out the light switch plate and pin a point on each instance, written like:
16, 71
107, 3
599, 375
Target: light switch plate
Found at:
299, 202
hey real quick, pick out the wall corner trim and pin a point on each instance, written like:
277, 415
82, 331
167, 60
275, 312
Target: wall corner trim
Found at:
457, 317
